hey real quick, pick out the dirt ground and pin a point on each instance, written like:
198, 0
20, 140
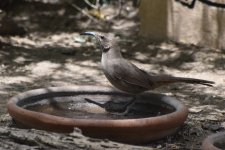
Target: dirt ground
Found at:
52, 54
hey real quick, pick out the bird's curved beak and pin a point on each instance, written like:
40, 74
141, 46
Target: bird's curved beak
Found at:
89, 33
97, 36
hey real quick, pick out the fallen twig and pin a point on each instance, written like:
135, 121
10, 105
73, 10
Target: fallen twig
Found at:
82, 11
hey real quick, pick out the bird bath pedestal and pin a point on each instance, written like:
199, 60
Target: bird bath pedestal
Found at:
61, 109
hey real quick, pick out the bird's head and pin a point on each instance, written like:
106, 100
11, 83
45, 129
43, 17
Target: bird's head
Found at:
102, 40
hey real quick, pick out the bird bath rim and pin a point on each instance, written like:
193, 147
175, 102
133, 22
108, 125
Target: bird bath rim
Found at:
49, 122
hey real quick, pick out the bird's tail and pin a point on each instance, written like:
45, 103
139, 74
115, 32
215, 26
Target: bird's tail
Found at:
169, 79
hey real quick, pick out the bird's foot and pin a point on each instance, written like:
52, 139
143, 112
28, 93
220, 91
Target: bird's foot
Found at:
126, 108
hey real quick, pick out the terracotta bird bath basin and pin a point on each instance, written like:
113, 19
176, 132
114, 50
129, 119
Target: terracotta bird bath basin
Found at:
60, 109
214, 142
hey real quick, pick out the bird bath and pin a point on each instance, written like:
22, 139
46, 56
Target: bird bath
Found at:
214, 142
61, 109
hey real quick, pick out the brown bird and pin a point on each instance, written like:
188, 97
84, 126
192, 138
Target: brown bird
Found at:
127, 77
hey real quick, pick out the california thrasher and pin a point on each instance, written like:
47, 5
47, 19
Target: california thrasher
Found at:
126, 76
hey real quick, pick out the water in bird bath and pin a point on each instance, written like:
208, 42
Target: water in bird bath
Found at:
77, 107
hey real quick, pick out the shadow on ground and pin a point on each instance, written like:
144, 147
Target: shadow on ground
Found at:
49, 56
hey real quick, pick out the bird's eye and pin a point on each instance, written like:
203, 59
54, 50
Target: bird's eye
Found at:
102, 37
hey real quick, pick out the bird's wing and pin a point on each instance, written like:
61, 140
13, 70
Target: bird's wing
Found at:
131, 74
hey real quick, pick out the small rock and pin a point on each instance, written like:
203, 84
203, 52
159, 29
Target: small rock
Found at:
159, 146
212, 127
196, 109
223, 125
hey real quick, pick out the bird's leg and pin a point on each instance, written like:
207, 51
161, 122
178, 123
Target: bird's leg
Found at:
128, 106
